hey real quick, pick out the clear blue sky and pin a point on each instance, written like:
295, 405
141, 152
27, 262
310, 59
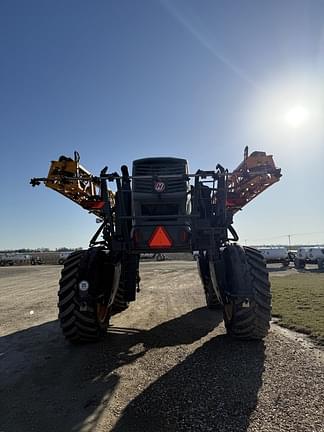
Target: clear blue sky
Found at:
123, 79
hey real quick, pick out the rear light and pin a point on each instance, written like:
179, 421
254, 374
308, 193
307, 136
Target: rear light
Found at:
184, 235
136, 236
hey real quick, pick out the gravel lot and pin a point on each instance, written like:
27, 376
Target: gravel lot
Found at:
166, 364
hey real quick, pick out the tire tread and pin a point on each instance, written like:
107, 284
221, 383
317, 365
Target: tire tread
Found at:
77, 326
251, 322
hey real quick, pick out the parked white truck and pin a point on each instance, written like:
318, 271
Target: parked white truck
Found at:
6, 259
273, 255
311, 255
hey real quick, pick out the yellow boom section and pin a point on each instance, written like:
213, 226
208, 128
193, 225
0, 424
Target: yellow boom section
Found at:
84, 191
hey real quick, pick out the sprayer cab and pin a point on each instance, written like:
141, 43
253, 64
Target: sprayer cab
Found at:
161, 204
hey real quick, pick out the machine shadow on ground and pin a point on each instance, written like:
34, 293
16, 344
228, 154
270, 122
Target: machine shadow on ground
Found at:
48, 385
215, 388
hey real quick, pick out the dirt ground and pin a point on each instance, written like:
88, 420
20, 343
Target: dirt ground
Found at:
165, 365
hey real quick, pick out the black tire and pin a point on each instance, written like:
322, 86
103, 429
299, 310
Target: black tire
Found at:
247, 313
212, 301
120, 304
61, 261
77, 326
299, 263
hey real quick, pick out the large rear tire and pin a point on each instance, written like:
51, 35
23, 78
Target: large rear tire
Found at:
247, 312
79, 325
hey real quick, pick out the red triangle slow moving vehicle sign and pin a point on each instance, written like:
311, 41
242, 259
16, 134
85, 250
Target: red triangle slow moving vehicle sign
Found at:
160, 238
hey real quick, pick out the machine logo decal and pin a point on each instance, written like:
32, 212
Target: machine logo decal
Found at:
159, 186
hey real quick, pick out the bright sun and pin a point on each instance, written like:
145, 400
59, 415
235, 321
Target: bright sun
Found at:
296, 116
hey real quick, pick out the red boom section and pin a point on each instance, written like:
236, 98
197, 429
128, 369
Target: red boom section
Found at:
254, 175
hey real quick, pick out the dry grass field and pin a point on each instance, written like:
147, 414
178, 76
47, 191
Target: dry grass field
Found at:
298, 301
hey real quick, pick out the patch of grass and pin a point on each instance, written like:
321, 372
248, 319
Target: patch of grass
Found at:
298, 301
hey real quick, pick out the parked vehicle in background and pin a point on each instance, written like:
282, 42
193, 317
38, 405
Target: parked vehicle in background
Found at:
159, 257
6, 260
274, 255
316, 256
195, 255
311, 255
19, 259
36, 260
63, 256
301, 257
153, 256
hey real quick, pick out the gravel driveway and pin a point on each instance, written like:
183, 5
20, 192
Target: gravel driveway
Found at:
166, 365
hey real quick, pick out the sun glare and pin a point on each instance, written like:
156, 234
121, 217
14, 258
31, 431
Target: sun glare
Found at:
297, 116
